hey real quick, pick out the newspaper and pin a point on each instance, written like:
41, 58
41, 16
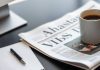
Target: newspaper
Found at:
60, 40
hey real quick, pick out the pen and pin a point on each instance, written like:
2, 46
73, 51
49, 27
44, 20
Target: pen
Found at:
17, 56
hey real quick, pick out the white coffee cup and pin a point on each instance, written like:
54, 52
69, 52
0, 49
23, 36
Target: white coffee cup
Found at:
90, 26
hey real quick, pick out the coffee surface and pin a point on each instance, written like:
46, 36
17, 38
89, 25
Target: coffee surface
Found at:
92, 17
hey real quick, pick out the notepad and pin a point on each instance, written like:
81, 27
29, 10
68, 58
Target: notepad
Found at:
9, 62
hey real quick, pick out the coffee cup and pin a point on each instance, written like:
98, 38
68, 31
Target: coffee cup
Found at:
90, 26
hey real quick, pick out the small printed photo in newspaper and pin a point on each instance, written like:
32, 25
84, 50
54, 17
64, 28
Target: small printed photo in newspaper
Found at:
78, 45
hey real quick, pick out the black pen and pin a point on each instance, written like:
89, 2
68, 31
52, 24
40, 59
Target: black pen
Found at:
17, 56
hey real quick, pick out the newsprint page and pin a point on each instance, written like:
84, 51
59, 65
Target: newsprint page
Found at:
60, 40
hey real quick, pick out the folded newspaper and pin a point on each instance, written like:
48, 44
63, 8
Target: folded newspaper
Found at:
60, 40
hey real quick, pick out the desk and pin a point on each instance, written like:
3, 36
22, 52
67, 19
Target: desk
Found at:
38, 12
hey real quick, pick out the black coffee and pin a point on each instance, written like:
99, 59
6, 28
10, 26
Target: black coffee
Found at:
92, 17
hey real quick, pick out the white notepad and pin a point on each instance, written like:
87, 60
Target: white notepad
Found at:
9, 62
